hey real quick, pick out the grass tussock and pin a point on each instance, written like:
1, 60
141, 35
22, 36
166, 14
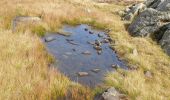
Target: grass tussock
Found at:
24, 64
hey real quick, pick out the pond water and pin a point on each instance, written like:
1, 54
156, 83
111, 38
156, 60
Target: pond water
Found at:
85, 56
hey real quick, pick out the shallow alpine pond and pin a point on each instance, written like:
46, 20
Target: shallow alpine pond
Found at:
85, 55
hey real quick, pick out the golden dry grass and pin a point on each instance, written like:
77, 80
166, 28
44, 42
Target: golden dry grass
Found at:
24, 63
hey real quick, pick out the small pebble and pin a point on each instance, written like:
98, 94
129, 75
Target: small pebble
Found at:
95, 70
97, 48
86, 29
83, 74
115, 66
91, 32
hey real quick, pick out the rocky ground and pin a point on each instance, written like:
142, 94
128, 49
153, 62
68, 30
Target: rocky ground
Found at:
151, 18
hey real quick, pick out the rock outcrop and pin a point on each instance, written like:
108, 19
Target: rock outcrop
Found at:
24, 20
151, 18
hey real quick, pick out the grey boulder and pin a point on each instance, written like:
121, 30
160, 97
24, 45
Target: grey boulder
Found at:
113, 94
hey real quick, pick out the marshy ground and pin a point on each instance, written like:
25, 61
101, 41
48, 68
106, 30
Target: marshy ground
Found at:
24, 60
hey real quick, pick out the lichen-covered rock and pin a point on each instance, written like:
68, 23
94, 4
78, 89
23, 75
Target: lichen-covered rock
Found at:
133, 10
113, 94
147, 22
165, 40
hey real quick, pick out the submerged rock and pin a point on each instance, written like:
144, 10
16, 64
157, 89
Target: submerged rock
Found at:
86, 53
99, 52
98, 43
86, 29
83, 74
97, 47
95, 70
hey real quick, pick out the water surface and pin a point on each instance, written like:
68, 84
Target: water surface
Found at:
68, 51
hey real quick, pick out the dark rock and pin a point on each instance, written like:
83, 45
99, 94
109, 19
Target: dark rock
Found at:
98, 43
74, 49
115, 66
105, 41
90, 32
97, 47
69, 40
86, 29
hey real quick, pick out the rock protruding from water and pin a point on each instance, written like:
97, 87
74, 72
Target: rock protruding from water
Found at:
151, 18
49, 39
113, 94
81, 74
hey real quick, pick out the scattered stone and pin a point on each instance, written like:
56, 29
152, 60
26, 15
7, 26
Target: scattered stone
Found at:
98, 43
67, 34
73, 43
113, 94
49, 39
74, 50
99, 52
95, 70
133, 67
115, 66
100, 35
86, 29
86, 53
68, 53
105, 41
97, 47
81, 74
69, 40
148, 74
90, 32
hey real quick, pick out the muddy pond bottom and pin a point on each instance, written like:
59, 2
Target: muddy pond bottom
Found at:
85, 55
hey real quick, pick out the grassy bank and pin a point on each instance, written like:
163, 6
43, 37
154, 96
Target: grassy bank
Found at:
24, 62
